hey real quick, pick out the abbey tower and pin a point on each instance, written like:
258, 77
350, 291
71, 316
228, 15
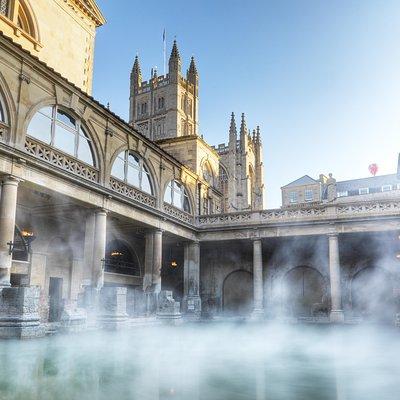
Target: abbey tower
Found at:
165, 109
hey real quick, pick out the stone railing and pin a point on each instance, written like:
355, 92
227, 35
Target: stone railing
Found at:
61, 160
302, 214
178, 214
132, 192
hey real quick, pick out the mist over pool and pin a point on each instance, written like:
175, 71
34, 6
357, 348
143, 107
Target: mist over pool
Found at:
206, 361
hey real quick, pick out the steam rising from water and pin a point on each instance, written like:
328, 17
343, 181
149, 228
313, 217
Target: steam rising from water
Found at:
210, 361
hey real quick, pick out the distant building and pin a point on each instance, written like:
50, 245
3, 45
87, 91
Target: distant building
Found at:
308, 190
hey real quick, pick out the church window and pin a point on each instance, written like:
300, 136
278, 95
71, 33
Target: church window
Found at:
208, 175
308, 195
143, 109
223, 186
130, 168
4, 7
293, 197
54, 126
190, 107
176, 195
183, 102
161, 103
190, 129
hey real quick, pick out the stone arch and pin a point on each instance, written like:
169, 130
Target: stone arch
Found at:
371, 294
304, 292
237, 293
126, 262
8, 106
51, 102
148, 164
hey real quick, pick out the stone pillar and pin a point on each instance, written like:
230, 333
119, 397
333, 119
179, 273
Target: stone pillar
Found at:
258, 286
8, 207
191, 279
99, 249
157, 260
148, 288
334, 272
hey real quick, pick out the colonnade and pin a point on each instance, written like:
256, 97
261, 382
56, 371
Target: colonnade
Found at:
336, 314
153, 258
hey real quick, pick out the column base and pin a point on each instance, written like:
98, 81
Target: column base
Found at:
257, 314
19, 313
112, 311
168, 309
192, 307
336, 317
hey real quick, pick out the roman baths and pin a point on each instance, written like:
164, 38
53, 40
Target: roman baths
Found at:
140, 262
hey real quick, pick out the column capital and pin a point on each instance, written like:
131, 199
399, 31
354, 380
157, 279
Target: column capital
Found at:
10, 180
101, 211
332, 234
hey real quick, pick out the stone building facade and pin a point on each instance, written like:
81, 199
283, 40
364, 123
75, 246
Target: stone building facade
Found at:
90, 206
165, 109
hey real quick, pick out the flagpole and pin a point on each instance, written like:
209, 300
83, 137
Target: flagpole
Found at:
165, 51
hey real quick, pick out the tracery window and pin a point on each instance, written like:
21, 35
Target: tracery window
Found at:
223, 186
4, 6
130, 168
176, 195
54, 126
161, 103
208, 175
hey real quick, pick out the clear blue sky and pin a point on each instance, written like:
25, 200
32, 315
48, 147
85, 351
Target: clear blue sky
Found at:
321, 78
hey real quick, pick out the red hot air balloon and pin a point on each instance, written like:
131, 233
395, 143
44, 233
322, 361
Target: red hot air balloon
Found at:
373, 169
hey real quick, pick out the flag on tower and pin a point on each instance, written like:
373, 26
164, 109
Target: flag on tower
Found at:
164, 38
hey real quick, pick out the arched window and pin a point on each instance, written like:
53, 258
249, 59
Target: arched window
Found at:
24, 20
176, 195
130, 168
120, 259
57, 128
207, 172
2, 112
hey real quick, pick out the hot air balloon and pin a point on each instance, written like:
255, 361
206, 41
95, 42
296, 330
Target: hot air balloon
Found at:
373, 169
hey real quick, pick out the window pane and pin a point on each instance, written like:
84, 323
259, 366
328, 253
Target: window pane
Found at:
133, 160
186, 206
146, 185
118, 168
40, 128
132, 176
177, 199
2, 115
66, 119
84, 150
168, 194
64, 139
47, 111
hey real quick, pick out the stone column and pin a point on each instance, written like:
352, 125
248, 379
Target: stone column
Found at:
191, 279
8, 207
99, 248
334, 272
258, 288
157, 260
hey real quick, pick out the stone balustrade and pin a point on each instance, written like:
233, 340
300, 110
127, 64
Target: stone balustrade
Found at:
303, 214
132, 192
61, 160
